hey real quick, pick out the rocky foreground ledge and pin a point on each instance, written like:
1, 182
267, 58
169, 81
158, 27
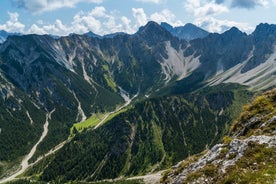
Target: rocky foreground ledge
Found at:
247, 155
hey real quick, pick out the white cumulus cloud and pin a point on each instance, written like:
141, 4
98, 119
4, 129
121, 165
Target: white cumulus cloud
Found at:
205, 14
40, 6
151, 1
98, 20
58, 28
249, 3
98, 11
35, 29
101, 21
140, 16
215, 25
166, 16
83, 23
13, 24
205, 8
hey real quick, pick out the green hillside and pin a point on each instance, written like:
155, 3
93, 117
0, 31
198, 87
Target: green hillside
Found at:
150, 136
246, 155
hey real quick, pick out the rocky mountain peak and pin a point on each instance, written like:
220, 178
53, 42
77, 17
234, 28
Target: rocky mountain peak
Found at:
234, 32
187, 32
153, 33
152, 28
167, 26
4, 35
265, 28
93, 35
265, 33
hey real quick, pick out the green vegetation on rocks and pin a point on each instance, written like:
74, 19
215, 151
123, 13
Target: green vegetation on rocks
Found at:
247, 155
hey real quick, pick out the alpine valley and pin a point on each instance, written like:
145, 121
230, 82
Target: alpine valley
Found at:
123, 108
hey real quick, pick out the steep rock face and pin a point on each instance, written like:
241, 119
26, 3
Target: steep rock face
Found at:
247, 156
256, 67
78, 74
82, 74
223, 51
36, 76
264, 38
153, 58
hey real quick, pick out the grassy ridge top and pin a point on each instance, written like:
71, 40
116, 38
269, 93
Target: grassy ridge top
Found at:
247, 155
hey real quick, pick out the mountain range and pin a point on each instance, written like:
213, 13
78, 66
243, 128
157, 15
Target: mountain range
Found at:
169, 88
4, 35
187, 32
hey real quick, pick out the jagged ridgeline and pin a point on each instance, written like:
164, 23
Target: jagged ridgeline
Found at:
149, 136
77, 76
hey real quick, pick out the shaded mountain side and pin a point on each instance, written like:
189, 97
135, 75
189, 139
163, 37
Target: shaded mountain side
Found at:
78, 74
152, 58
187, 32
264, 38
31, 75
232, 57
247, 155
19, 123
148, 137
4, 35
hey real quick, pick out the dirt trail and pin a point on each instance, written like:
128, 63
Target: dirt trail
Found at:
25, 164
150, 178
59, 146
115, 111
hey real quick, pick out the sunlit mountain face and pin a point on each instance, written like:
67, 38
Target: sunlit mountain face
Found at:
86, 107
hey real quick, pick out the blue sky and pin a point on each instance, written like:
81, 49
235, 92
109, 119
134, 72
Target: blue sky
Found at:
61, 17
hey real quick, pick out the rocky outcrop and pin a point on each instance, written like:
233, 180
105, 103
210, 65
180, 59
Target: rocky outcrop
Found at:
236, 150
243, 152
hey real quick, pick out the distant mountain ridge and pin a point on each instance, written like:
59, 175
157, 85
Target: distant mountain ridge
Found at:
4, 35
188, 31
82, 75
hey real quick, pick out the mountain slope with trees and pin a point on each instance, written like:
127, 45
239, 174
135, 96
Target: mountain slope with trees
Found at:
149, 136
246, 155
84, 75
